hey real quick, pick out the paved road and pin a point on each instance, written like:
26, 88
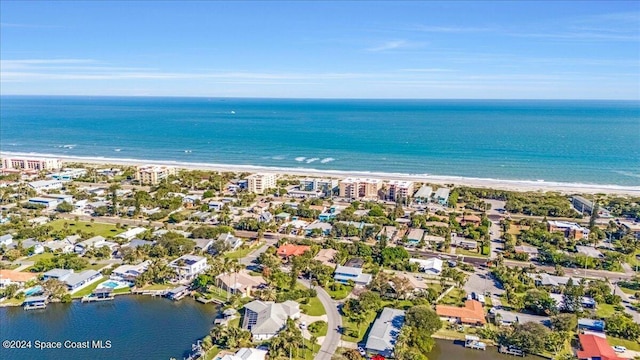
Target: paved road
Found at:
332, 340
247, 260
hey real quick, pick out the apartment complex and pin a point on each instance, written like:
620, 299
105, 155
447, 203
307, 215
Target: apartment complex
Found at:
354, 188
259, 183
397, 189
31, 163
153, 174
325, 186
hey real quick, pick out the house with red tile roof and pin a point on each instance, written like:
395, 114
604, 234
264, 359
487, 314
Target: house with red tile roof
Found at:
20, 278
288, 250
595, 348
471, 314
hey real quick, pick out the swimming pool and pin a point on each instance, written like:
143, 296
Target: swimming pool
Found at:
110, 284
33, 290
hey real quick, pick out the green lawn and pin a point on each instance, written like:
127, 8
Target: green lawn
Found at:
36, 258
629, 344
605, 310
158, 287
350, 332
313, 308
628, 291
88, 289
455, 297
211, 353
398, 304
243, 251
464, 252
341, 292
322, 329
101, 229
96, 267
12, 302
126, 290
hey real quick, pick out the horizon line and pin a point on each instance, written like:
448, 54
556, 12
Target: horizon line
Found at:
316, 98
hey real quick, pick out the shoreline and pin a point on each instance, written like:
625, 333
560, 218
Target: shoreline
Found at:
489, 183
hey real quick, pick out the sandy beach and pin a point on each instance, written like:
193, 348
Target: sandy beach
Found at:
513, 185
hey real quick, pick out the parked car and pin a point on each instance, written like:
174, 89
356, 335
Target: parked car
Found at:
619, 349
361, 351
303, 325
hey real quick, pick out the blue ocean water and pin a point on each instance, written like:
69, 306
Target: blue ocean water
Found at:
595, 142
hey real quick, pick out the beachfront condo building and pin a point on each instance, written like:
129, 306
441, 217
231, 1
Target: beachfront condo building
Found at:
153, 174
21, 163
259, 183
325, 186
397, 189
355, 188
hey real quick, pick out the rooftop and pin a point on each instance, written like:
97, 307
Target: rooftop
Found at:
595, 347
293, 250
472, 312
385, 330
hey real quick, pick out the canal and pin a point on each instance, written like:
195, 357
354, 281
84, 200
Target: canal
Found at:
138, 327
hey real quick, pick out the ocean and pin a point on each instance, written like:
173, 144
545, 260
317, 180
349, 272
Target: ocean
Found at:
589, 142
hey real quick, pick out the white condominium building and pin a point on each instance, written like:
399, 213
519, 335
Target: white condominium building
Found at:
397, 189
354, 188
153, 174
259, 183
31, 163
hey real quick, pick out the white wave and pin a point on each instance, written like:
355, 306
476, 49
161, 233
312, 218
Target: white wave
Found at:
117, 150
326, 160
309, 161
69, 146
300, 158
278, 157
627, 173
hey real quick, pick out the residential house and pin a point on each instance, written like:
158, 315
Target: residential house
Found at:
325, 228
469, 219
592, 325
345, 274
241, 282
471, 314
595, 348
506, 318
20, 278
131, 233
95, 243
265, 217
139, 242
432, 241
288, 250
203, 244
189, 266
388, 232
74, 281
423, 195
6, 239
589, 251
63, 246
441, 196
325, 256
48, 203
384, 332
544, 279
531, 251
265, 319
46, 185
233, 242
36, 246
246, 354
431, 266
585, 303
130, 272
466, 244
415, 236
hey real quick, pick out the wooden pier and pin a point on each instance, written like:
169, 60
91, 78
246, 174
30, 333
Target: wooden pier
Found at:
104, 294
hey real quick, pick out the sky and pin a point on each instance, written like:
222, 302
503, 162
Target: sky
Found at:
333, 49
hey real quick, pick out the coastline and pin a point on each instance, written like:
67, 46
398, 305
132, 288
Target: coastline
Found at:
500, 184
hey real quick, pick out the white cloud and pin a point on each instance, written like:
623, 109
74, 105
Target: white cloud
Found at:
394, 45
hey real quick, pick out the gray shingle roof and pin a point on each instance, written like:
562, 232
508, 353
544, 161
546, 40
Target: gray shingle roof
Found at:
385, 331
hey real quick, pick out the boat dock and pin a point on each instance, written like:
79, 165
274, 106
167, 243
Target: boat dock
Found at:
511, 350
177, 293
35, 302
473, 342
104, 294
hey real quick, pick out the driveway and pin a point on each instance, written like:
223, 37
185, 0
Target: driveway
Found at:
331, 341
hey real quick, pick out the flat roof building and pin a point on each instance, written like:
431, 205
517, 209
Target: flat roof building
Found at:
153, 174
355, 188
261, 182
384, 332
399, 189
24, 163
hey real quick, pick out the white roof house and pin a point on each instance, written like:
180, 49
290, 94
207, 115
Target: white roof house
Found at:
432, 266
233, 242
384, 332
131, 233
247, 354
129, 272
264, 319
344, 274
189, 266
43, 185
589, 251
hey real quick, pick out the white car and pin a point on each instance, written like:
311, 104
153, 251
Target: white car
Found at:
303, 325
361, 351
619, 349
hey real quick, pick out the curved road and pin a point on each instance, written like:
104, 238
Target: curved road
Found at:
331, 341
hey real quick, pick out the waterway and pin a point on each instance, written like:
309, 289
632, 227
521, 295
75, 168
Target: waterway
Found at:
138, 327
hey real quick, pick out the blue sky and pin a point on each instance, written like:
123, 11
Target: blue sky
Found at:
570, 50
